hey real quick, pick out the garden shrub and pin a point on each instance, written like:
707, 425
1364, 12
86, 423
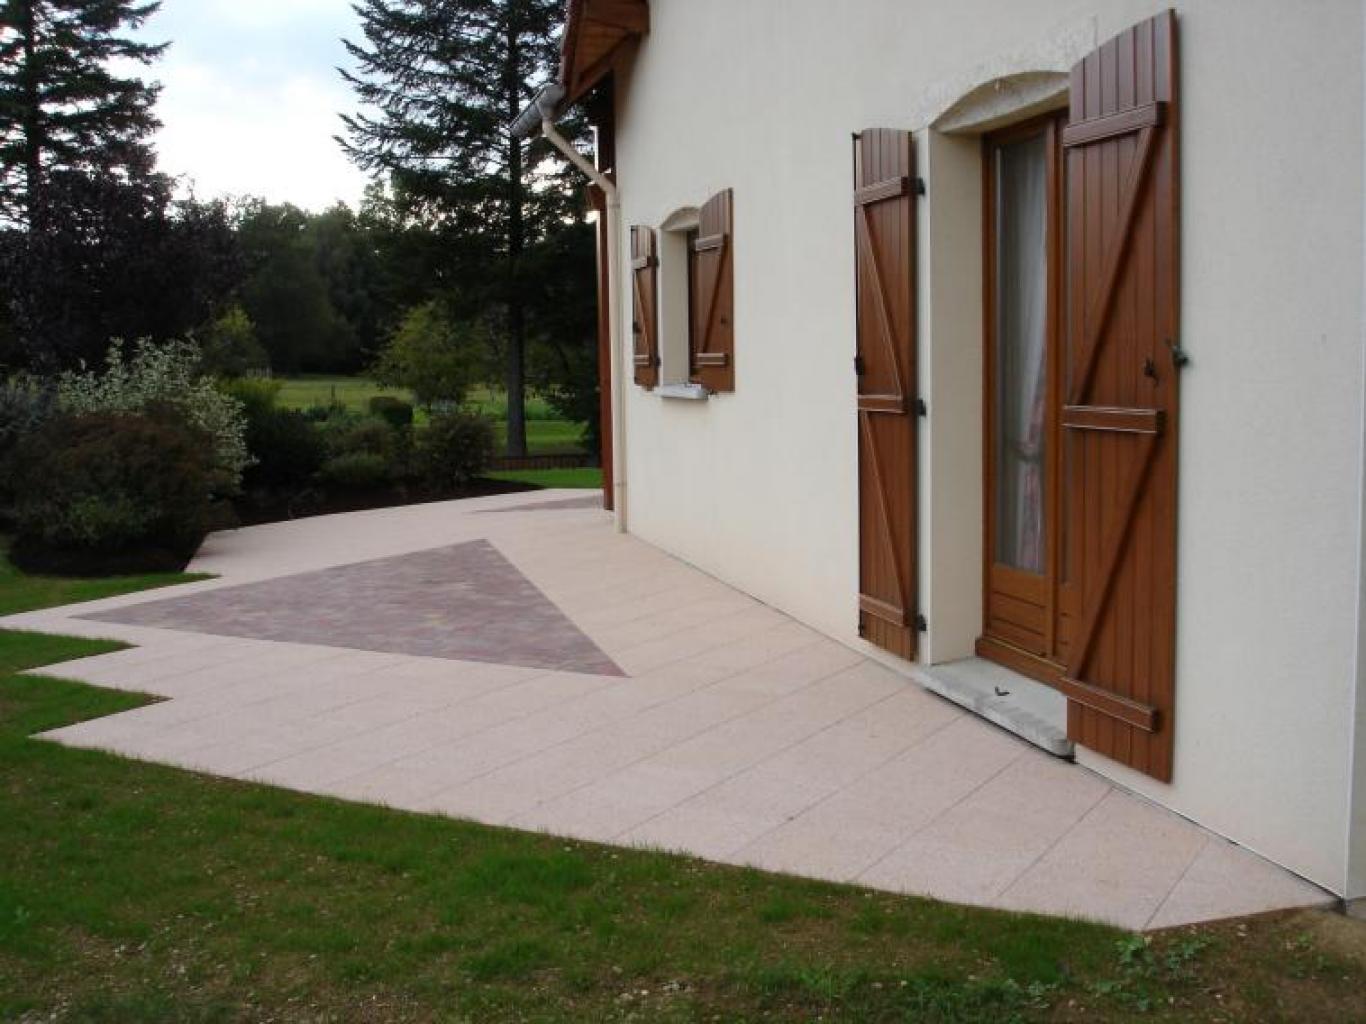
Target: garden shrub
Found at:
323, 413
394, 411
26, 403
356, 434
107, 484
168, 374
454, 448
287, 447
353, 434
357, 471
257, 394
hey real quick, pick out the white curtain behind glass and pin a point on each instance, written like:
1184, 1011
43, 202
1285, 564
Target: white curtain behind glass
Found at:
1021, 309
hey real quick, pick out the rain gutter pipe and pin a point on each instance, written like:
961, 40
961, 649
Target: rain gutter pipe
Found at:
540, 115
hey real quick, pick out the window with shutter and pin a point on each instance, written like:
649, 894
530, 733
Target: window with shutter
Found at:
1119, 415
645, 306
884, 235
712, 296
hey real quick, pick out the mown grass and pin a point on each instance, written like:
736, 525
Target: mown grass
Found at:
20, 592
547, 433
135, 892
587, 478
310, 390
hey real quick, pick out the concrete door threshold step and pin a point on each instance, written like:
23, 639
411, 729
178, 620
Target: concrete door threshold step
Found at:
1031, 710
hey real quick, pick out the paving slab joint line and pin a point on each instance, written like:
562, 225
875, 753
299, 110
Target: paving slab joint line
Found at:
1105, 794
1167, 896
249, 704
926, 824
957, 718
782, 750
648, 707
664, 703
461, 740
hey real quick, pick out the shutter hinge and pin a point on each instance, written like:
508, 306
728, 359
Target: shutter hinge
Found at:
920, 407
1180, 357
859, 367
921, 625
919, 186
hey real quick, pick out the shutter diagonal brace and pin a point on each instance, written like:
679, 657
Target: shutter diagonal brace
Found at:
641, 329
884, 517
1097, 314
704, 347
888, 333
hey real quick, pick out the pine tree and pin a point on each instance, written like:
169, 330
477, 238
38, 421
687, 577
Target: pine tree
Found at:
440, 81
63, 108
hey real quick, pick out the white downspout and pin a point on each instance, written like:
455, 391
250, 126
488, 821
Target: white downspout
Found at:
609, 190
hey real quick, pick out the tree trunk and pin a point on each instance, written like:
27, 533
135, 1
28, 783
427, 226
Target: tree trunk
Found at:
516, 349
32, 118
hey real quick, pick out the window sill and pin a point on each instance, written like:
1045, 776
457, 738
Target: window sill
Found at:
685, 392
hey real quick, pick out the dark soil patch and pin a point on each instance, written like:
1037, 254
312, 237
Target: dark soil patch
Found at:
36, 558
255, 510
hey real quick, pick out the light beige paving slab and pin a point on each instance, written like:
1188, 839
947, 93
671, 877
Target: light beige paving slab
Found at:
737, 734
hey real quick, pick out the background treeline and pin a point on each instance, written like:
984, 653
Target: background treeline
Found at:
272, 289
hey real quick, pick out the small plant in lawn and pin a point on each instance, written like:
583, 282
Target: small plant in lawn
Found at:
454, 448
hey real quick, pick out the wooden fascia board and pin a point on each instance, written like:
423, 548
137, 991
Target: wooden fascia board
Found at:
627, 19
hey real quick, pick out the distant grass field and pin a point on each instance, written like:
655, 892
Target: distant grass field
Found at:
547, 434
307, 391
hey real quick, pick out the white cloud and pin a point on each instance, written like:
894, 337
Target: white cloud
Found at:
251, 99
230, 130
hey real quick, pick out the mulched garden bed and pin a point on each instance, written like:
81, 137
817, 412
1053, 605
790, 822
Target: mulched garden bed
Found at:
254, 511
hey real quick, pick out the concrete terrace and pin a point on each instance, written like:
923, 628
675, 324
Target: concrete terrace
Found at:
514, 661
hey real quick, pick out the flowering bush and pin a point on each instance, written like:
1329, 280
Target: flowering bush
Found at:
166, 374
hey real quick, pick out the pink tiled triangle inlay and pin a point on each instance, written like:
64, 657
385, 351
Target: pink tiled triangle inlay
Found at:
465, 602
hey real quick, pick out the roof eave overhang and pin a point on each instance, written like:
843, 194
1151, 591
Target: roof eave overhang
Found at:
594, 33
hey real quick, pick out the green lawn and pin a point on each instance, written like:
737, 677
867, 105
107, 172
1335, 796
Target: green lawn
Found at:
135, 892
20, 592
309, 390
546, 433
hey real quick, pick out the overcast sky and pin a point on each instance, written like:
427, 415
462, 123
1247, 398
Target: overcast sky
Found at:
251, 96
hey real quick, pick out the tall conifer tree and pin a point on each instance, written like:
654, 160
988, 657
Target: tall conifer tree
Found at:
440, 81
63, 105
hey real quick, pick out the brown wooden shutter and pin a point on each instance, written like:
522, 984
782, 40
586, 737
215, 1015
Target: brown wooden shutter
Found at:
1120, 403
884, 235
645, 305
713, 296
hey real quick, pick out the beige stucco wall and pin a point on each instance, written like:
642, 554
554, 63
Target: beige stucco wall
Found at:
758, 487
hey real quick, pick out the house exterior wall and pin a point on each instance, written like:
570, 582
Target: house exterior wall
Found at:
759, 486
